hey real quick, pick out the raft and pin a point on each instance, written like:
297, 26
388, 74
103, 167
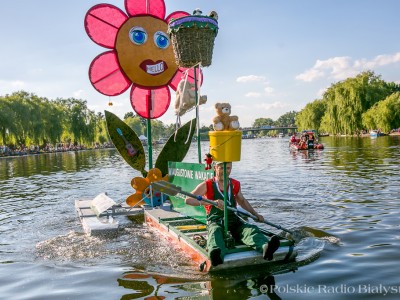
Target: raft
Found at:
307, 141
184, 226
189, 236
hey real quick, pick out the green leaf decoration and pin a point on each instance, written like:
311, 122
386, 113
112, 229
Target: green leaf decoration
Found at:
176, 149
127, 142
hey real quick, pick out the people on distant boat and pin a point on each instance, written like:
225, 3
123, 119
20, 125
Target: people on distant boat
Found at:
250, 235
303, 142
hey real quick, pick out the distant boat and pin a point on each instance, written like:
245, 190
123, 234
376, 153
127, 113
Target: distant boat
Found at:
248, 136
307, 141
281, 135
375, 133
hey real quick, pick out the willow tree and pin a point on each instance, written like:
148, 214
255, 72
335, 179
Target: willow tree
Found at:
7, 119
80, 122
54, 119
310, 116
348, 100
101, 129
20, 104
384, 115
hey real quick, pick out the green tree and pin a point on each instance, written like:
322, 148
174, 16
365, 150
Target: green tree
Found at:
263, 122
384, 115
136, 124
287, 119
20, 104
129, 115
157, 129
347, 100
311, 115
7, 119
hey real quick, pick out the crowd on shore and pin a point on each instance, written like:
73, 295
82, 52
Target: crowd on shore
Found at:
6, 151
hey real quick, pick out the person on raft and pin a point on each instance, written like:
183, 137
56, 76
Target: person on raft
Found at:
248, 234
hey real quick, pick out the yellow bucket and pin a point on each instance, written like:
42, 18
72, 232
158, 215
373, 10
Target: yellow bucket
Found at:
225, 146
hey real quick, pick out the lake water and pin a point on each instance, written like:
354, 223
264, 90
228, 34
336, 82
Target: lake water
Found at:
344, 199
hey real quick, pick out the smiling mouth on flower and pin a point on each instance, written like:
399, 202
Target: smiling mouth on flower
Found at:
153, 68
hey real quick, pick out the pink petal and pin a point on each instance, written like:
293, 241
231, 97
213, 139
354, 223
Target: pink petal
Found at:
141, 104
176, 15
190, 77
106, 75
102, 22
155, 8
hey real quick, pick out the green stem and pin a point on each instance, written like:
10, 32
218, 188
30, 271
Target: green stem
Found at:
225, 201
149, 144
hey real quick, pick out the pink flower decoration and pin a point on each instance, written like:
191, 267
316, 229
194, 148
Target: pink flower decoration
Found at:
140, 54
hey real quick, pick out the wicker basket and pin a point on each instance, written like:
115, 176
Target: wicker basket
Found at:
193, 40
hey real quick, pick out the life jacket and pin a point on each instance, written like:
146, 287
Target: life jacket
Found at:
214, 213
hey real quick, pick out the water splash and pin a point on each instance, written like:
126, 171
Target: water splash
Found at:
72, 246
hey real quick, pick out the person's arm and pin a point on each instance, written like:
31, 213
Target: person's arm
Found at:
201, 190
242, 201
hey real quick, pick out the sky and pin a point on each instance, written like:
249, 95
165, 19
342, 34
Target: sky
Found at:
270, 57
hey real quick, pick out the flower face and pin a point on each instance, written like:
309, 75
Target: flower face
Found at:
144, 52
140, 54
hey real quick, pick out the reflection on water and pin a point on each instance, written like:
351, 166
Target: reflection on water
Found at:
156, 286
342, 200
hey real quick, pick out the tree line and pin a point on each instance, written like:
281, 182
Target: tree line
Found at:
353, 106
27, 119
347, 107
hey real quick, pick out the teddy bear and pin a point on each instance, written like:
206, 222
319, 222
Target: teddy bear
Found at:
186, 97
223, 120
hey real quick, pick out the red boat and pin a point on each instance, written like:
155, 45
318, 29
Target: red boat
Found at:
307, 141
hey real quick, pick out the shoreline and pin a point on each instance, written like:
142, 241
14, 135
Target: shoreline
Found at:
359, 135
30, 153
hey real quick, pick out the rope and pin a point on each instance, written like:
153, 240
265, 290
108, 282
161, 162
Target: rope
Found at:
215, 147
178, 117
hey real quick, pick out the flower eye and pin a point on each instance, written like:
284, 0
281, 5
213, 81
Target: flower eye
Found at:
161, 40
138, 35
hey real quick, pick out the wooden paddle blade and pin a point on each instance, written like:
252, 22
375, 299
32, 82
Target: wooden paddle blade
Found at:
166, 187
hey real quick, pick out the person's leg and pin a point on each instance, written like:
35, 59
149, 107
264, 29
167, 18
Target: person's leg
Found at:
215, 243
253, 237
271, 247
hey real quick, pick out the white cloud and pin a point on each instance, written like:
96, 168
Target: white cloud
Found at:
79, 94
250, 78
272, 106
269, 91
17, 84
336, 67
253, 95
343, 67
378, 61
